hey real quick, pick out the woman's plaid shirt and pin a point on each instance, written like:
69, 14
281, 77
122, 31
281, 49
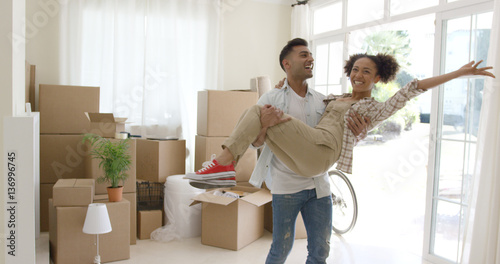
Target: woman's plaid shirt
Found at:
377, 112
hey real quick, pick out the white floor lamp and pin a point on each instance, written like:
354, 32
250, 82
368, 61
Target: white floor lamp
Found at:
97, 222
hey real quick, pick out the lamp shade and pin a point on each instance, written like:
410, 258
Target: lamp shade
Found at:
97, 219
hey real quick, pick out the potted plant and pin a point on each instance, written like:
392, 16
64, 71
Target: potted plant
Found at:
114, 161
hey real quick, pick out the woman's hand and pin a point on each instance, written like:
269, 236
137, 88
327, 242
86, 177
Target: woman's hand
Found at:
280, 84
358, 125
468, 69
472, 69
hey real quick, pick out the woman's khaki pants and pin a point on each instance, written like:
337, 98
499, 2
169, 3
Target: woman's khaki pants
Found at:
306, 150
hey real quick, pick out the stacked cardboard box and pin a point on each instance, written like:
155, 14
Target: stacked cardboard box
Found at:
64, 119
150, 207
62, 123
218, 114
147, 222
230, 223
157, 159
67, 212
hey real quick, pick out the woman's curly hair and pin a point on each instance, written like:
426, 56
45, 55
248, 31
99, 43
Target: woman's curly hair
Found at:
387, 66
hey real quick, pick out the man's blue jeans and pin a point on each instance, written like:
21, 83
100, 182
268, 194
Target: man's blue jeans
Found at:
317, 215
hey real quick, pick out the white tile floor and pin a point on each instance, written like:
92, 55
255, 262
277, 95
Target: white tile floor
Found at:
345, 250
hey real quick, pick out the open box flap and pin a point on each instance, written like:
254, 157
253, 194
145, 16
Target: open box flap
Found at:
105, 118
255, 196
258, 198
209, 197
65, 183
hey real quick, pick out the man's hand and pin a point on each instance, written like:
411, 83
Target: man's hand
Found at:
280, 84
358, 125
271, 116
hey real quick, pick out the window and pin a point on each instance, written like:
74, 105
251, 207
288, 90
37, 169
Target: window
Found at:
433, 181
360, 11
404, 6
327, 18
466, 38
328, 65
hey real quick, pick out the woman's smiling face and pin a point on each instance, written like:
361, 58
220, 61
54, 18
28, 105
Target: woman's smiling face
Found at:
363, 75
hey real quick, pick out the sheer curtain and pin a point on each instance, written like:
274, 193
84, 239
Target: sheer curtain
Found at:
300, 21
149, 57
482, 238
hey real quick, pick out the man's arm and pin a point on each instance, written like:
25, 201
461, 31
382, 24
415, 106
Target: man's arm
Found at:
269, 116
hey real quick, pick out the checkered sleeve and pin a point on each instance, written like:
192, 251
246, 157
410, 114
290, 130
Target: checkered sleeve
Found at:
344, 162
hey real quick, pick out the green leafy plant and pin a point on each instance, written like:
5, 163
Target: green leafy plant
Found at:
113, 156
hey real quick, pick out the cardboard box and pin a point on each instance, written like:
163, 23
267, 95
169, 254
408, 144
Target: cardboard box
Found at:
206, 146
73, 192
232, 223
158, 159
106, 124
132, 198
300, 229
219, 111
147, 222
45, 195
68, 243
62, 157
62, 108
92, 170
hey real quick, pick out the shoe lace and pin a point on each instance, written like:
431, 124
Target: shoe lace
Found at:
208, 164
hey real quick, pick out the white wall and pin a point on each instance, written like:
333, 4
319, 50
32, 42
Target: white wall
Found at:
42, 40
253, 34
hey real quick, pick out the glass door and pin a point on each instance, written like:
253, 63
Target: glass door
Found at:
455, 118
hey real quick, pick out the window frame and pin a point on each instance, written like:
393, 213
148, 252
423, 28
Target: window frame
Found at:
444, 10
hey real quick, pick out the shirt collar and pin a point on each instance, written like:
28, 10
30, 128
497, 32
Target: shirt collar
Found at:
286, 87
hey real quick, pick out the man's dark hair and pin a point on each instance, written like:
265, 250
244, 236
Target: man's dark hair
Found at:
289, 47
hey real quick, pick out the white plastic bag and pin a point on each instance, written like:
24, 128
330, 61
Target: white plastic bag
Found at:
183, 220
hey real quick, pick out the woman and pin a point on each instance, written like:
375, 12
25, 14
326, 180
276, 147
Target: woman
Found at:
310, 151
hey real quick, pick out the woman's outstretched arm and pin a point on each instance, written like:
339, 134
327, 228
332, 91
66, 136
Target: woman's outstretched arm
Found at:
468, 69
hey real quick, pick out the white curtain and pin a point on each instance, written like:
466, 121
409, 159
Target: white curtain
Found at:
300, 21
149, 57
482, 238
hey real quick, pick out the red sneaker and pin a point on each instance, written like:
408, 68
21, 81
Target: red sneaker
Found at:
212, 171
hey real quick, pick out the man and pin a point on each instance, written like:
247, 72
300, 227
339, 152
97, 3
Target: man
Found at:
293, 193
